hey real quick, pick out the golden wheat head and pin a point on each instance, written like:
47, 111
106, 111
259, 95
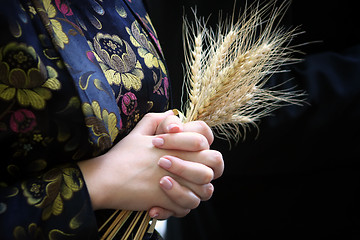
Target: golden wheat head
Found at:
226, 69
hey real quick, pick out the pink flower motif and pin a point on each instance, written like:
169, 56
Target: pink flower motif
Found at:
128, 103
63, 8
166, 86
22, 121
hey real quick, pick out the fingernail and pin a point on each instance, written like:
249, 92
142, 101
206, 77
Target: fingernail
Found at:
153, 214
166, 183
173, 128
158, 142
164, 163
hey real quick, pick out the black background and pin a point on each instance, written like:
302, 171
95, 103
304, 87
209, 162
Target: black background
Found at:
297, 177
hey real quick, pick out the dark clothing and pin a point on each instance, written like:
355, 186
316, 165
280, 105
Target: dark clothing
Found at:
75, 77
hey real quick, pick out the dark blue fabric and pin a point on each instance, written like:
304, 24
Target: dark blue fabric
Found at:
75, 78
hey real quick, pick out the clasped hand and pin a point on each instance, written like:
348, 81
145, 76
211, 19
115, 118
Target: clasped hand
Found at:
163, 166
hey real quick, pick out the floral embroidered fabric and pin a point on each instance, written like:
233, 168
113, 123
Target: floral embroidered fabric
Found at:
75, 77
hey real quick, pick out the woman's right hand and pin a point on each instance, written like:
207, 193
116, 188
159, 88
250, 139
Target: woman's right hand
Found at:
127, 177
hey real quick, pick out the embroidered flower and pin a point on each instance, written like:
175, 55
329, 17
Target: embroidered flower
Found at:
34, 191
48, 14
118, 61
24, 76
128, 103
102, 124
22, 121
38, 138
63, 8
145, 47
35, 188
27, 147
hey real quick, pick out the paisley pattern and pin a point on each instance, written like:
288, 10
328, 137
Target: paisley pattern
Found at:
75, 78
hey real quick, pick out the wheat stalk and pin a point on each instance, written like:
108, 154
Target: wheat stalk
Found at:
226, 71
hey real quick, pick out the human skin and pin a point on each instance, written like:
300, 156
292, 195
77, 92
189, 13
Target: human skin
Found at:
163, 166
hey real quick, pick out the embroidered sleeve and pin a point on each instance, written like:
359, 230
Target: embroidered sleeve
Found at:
51, 205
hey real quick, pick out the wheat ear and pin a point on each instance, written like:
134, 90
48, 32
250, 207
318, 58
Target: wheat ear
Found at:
227, 70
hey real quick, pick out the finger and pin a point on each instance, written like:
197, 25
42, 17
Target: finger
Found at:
182, 213
193, 172
150, 122
171, 124
180, 195
214, 160
200, 127
204, 192
163, 213
160, 213
184, 141
211, 158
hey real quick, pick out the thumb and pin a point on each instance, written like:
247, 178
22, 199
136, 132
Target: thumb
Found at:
150, 122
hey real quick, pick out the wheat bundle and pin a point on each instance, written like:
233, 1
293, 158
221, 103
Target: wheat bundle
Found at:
226, 70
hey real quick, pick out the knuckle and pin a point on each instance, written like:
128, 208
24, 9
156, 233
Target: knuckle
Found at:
195, 203
200, 142
206, 130
188, 200
202, 126
217, 159
208, 176
150, 115
208, 191
174, 119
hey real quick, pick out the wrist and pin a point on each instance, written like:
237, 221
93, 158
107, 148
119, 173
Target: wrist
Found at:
91, 172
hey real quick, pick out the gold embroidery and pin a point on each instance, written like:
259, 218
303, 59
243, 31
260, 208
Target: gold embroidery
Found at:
101, 119
48, 13
146, 49
23, 76
118, 61
50, 192
32, 232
